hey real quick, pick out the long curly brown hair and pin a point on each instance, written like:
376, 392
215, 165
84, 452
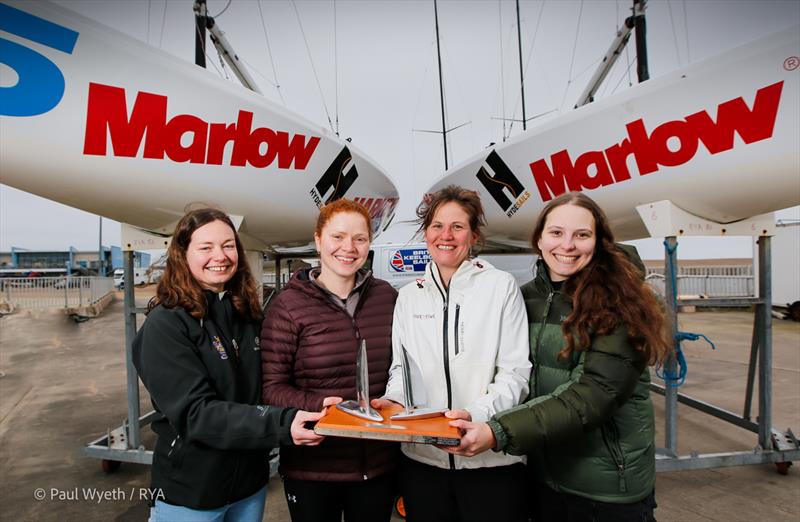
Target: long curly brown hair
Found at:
609, 291
179, 288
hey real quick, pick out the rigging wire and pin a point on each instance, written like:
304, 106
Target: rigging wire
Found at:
502, 74
686, 28
148, 21
276, 84
628, 59
528, 61
313, 68
628, 71
422, 86
223, 9
674, 34
262, 75
572, 61
336, 68
163, 24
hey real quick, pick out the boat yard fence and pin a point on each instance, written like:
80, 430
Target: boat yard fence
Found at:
710, 281
53, 292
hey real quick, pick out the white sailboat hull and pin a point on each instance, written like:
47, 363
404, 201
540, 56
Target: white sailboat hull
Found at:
107, 124
720, 139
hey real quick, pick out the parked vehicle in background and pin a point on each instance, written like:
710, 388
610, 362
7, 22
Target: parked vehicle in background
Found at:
140, 277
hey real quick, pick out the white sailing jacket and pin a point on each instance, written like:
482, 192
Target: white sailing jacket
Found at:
470, 342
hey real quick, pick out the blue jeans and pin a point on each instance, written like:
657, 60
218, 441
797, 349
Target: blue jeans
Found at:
250, 509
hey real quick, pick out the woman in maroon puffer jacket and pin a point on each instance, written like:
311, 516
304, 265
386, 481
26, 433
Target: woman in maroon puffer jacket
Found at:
309, 341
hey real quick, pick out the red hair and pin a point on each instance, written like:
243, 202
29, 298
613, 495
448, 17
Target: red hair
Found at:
341, 205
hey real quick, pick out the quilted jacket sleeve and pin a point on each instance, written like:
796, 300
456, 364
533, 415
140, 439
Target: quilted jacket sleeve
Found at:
611, 369
279, 343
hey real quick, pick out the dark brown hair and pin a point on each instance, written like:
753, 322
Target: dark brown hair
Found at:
179, 289
341, 205
609, 291
469, 200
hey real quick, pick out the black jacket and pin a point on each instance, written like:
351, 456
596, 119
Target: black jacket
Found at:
214, 435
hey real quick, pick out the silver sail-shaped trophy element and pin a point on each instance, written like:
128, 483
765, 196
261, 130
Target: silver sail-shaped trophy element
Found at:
360, 407
414, 393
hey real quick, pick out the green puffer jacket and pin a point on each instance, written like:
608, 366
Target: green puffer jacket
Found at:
588, 428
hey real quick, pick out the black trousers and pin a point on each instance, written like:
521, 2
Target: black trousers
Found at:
553, 506
365, 501
441, 495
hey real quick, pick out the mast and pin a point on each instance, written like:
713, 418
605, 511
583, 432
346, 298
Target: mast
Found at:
441, 82
636, 23
224, 48
200, 13
640, 26
521, 75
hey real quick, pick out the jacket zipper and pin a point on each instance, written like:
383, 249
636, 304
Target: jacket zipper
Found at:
535, 354
445, 353
458, 311
615, 450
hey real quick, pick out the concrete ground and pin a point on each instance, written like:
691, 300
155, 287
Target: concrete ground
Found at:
62, 384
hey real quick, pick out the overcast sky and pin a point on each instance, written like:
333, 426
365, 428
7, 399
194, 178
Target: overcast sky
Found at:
374, 66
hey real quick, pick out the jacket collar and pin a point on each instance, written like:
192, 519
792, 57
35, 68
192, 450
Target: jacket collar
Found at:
468, 269
301, 280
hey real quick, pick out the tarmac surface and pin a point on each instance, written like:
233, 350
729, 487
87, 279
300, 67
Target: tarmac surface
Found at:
62, 385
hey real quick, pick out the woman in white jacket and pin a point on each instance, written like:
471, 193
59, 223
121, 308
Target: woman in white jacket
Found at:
465, 326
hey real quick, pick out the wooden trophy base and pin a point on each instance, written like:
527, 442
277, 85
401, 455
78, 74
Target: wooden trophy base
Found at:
424, 431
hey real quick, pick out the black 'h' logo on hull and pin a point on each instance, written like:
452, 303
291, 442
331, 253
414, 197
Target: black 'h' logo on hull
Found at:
335, 177
502, 180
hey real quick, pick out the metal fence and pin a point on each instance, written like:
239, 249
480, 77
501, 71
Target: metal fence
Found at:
54, 292
269, 279
708, 285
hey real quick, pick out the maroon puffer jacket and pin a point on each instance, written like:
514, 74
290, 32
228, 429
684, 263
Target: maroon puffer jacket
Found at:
308, 352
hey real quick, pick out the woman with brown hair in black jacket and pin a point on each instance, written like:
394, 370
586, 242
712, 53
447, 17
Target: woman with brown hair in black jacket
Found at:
197, 355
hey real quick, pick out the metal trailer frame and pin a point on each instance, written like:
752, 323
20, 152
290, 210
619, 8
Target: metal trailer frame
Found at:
773, 446
123, 444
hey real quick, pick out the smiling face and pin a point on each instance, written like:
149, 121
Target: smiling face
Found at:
343, 245
212, 256
449, 237
568, 240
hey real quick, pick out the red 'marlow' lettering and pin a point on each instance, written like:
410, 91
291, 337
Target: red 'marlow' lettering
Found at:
185, 138
671, 144
108, 111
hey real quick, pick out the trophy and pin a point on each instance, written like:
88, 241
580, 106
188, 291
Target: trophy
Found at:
360, 407
414, 402
409, 423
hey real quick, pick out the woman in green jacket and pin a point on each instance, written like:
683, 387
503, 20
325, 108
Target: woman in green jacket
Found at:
588, 428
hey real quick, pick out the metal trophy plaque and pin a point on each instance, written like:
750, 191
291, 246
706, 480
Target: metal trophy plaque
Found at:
360, 407
414, 393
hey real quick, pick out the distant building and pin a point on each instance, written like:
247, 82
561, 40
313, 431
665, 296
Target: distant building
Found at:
67, 261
